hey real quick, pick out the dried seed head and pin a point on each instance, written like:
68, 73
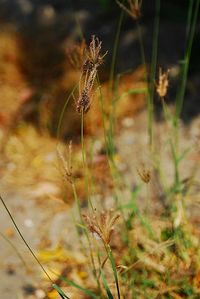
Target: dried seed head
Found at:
94, 50
88, 66
144, 174
102, 224
163, 83
66, 164
83, 103
93, 59
134, 9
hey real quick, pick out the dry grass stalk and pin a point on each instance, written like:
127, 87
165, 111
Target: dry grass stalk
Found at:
163, 83
85, 91
66, 164
93, 59
102, 224
134, 9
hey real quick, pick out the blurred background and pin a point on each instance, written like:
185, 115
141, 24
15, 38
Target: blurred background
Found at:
36, 37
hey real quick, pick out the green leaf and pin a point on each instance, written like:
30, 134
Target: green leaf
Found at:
60, 291
84, 290
133, 91
111, 258
110, 296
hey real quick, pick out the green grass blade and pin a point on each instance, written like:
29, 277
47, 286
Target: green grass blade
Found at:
132, 91
191, 26
60, 291
63, 111
153, 71
106, 287
15, 249
84, 290
114, 55
111, 258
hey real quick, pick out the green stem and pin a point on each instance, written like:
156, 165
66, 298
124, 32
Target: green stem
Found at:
63, 111
114, 55
15, 249
141, 44
86, 234
153, 70
84, 160
112, 261
189, 17
191, 26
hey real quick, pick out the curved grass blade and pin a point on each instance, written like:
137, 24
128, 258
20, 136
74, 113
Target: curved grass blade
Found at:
15, 249
63, 111
112, 261
106, 287
84, 290
143, 90
60, 292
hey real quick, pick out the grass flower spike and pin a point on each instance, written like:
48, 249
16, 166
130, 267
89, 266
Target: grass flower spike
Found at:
102, 224
144, 174
134, 9
163, 83
93, 59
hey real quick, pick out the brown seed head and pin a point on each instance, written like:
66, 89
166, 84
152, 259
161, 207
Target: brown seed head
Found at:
93, 54
144, 174
88, 66
134, 9
93, 59
163, 83
83, 103
102, 224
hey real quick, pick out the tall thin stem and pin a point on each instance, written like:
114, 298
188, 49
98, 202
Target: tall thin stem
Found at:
85, 160
112, 261
191, 26
15, 249
153, 69
114, 55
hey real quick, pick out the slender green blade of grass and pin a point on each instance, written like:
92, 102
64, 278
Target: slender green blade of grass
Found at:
59, 290
112, 261
116, 42
15, 249
134, 211
189, 17
132, 91
176, 170
106, 287
191, 26
63, 111
85, 164
84, 290
153, 70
